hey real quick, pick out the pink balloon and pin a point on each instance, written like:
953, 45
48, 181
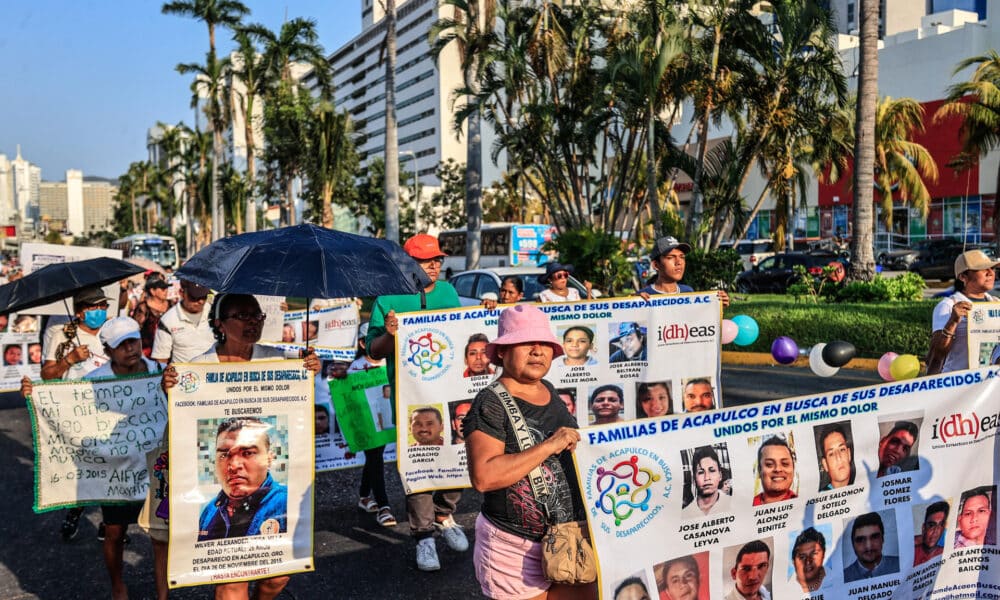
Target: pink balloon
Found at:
884, 364
729, 331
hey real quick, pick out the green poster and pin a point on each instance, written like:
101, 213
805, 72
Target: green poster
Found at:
364, 409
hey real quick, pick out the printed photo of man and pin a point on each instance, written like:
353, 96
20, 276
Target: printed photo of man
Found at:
977, 524
458, 409
775, 471
835, 447
929, 543
476, 361
751, 572
895, 449
868, 543
251, 501
681, 578
427, 426
808, 554
698, 394
12, 354
628, 342
606, 404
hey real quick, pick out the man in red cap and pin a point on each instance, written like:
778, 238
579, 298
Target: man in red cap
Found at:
427, 511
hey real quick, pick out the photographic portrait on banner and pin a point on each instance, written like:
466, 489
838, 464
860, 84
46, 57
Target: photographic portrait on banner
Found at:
835, 455
871, 546
777, 478
976, 524
812, 563
606, 404
653, 399
747, 569
684, 578
930, 523
627, 342
633, 587
457, 410
248, 458
708, 481
899, 437
426, 425
579, 342
698, 394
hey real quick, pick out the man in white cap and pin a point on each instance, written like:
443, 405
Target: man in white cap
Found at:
974, 278
183, 332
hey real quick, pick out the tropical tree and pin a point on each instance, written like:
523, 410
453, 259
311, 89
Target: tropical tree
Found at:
214, 13
862, 241
247, 67
901, 164
977, 103
332, 162
287, 112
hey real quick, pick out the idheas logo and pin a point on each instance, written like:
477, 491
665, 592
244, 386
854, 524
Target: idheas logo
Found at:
956, 425
684, 332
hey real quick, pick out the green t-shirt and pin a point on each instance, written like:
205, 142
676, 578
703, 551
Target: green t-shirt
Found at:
442, 296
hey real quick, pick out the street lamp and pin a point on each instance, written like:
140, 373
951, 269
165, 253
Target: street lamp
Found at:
416, 190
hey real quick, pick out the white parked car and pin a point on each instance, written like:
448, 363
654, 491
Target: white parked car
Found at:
473, 285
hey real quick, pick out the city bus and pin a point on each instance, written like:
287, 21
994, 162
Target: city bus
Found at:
503, 245
161, 249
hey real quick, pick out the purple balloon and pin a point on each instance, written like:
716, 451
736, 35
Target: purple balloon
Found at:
784, 350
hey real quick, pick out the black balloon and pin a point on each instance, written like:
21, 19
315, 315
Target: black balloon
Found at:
838, 353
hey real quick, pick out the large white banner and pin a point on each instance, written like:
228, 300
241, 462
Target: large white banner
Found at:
331, 331
35, 255
880, 492
241, 475
625, 359
91, 439
984, 334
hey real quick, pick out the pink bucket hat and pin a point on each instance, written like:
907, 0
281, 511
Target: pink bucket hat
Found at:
523, 323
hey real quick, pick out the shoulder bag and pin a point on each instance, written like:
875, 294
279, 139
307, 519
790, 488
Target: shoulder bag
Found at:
567, 556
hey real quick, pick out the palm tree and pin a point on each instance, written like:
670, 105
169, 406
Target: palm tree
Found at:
248, 68
471, 32
213, 13
977, 102
333, 162
296, 43
862, 241
209, 83
899, 162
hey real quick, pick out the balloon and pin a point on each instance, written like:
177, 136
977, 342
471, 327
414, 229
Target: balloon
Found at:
838, 353
784, 350
884, 363
818, 365
748, 330
729, 331
905, 366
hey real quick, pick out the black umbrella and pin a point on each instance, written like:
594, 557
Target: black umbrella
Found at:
61, 280
305, 261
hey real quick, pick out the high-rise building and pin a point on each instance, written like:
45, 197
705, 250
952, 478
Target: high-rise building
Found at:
424, 90
77, 206
896, 16
6, 189
27, 178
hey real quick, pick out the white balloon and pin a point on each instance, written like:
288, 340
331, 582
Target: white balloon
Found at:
817, 365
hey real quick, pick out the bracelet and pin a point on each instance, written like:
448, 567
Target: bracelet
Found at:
947, 335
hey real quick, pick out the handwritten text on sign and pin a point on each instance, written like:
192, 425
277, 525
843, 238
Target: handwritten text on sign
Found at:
91, 439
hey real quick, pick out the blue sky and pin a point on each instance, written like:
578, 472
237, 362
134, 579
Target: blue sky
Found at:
84, 79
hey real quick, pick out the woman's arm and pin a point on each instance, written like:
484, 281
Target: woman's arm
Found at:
490, 469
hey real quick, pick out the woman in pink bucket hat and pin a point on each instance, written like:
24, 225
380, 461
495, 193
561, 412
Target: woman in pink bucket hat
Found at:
512, 521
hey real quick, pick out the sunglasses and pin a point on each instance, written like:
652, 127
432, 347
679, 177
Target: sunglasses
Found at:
247, 316
560, 275
437, 260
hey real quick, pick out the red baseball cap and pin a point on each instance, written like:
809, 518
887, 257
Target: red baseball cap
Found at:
423, 247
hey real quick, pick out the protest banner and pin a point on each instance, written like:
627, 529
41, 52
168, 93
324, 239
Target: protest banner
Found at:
876, 492
246, 428
332, 449
35, 255
20, 341
331, 331
639, 355
364, 413
984, 334
91, 439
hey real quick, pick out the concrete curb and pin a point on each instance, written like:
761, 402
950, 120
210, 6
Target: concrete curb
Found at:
732, 357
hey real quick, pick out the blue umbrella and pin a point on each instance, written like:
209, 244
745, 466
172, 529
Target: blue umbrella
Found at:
305, 261
61, 280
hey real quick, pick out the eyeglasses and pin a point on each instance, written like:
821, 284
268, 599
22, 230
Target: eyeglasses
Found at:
247, 316
560, 275
438, 260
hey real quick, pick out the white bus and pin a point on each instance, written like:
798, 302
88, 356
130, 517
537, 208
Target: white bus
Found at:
161, 249
503, 245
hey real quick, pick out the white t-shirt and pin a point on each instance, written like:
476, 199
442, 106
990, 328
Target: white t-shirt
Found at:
181, 335
958, 355
550, 296
54, 336
105, 371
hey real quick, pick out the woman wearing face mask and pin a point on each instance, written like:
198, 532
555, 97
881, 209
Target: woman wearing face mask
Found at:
72, 349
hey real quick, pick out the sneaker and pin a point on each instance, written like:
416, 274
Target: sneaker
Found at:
452, 534
71, 524
100, 532
427, 555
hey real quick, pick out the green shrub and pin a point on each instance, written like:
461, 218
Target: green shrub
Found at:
873, 327
712, 269
906, 287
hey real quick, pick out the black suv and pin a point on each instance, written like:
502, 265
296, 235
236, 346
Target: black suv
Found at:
775, 273
937, 260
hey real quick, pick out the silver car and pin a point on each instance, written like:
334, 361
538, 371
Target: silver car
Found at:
473, 285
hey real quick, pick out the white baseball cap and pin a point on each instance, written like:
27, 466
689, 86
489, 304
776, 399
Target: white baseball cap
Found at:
117, 330
363, 331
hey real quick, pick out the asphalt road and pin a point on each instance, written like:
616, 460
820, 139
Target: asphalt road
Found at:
355, 557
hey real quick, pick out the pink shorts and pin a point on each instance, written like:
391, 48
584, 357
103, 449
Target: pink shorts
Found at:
508, 566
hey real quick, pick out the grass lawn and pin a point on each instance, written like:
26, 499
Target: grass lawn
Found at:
874, 328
